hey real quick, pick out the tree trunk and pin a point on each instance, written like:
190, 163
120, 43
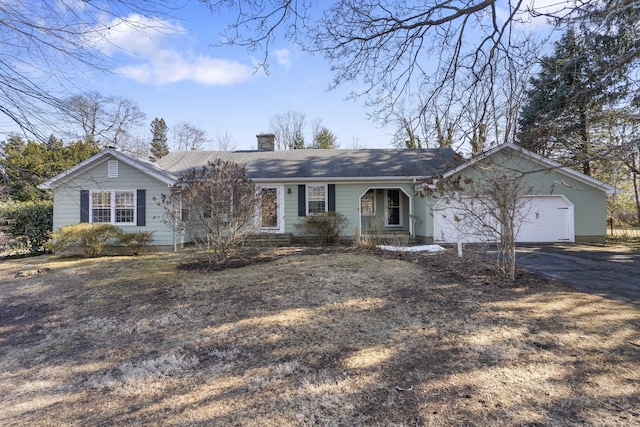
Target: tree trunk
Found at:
636, 193
584, 137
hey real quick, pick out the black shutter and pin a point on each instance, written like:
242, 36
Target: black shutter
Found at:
84, 205
302, 200
141, 203
331, 197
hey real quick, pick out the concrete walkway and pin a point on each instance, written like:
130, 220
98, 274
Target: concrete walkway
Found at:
608, 271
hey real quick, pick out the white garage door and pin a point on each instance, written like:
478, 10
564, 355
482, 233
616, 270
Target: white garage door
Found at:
544, 219
463, 220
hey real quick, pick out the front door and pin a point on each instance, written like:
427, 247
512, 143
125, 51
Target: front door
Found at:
271, 210
394, 211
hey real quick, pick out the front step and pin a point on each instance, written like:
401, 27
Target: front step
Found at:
269, 239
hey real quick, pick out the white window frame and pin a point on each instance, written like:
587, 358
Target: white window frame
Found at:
112, 169
308, 193
371, 192
112, 206
386, 207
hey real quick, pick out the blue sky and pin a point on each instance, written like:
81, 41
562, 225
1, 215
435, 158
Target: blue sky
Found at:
174, 73
170, 69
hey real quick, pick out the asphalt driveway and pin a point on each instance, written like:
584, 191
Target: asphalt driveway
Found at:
608, 271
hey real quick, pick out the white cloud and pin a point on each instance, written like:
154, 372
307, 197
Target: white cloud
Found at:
150, 46
283, 56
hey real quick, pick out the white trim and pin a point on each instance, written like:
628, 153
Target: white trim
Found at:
112, 207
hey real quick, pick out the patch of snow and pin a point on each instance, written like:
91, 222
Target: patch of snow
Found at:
423, 248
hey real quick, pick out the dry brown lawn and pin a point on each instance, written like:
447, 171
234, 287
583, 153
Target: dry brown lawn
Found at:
327, 338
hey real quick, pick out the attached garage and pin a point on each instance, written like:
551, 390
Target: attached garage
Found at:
544, 219
557, 203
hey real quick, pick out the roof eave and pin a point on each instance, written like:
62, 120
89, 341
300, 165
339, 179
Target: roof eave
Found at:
340, 179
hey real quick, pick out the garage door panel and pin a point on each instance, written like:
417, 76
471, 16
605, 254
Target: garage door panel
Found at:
463, 221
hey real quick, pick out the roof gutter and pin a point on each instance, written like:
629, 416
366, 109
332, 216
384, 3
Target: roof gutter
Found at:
410, 179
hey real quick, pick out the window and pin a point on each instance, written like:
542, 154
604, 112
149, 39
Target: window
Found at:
368, 203
112, 169
125, 207
101, 207
113, 207
316, 199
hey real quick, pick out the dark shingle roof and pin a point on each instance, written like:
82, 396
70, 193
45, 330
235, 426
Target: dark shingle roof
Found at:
320, 164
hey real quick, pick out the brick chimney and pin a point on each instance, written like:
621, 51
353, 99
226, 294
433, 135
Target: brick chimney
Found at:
266, 142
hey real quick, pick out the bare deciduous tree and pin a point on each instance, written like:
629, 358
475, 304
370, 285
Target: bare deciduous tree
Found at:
489, 205
224, 141
106, 120
453, 52
46, 44
388, 46
187, 136
218, 206
289, 130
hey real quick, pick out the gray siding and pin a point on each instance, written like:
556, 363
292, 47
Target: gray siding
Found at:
66, 207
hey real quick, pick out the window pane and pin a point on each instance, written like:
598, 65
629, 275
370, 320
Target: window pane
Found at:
124, 199
124, 215
367, 204
101, 215
101, 207
316, 199
125, 207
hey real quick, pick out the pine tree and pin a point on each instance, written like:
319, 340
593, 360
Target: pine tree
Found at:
572, 98
159, 145
324, 139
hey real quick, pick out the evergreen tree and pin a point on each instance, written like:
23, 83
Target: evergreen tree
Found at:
572, 98
28, 164
298, 141
159, 145
324, 139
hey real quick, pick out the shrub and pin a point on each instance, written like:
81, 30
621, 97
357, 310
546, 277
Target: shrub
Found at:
95, 239
326, 226
136, 242
92, 239
29, 221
